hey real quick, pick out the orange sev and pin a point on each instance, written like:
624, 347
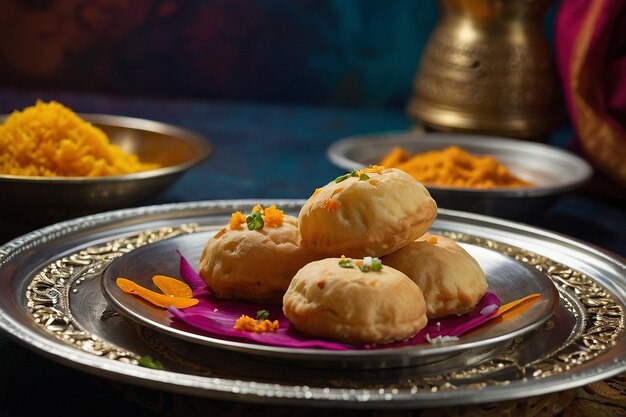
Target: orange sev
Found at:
453, 166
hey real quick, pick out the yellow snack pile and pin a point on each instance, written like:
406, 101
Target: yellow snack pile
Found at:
454, 167
50, 140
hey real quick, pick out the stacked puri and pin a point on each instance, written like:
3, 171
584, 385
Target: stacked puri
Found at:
255, 265
384, 213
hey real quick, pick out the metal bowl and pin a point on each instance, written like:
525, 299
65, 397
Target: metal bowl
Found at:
553, 171
43, 200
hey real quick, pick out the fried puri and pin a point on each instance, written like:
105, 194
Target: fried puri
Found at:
348, 305
451, 280
255, 265
366, 216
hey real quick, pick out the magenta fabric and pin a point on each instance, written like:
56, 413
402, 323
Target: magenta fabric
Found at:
603, 80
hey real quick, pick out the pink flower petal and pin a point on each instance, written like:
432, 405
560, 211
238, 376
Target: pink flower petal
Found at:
192, 278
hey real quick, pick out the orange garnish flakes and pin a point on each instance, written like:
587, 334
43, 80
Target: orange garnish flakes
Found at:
337, 190
331, 205
236, 220
374, 169
273, 217
248, 324
175, 292
256, 208
316, 192
432, 239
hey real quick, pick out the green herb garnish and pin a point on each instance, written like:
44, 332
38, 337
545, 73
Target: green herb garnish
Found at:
352, 173
147, 362
255, 221
372, 264
262, 315
377, 265
368, 264
342, 178
346, 263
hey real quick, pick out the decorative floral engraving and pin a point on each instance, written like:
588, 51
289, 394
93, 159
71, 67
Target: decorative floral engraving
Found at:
48, 294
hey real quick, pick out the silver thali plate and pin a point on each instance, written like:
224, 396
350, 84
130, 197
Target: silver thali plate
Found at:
508, 278
53, 304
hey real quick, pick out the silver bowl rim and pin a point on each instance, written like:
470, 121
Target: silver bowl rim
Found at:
337, 151
202, 144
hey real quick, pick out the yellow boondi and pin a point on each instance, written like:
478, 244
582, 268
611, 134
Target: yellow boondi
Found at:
50, 140
454, 167
249, 324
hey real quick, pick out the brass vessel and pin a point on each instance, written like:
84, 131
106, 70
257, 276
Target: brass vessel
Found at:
488, 68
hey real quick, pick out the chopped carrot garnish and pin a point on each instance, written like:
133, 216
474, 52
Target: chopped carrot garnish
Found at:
273, 217
374, 169
316, 192
236, 220
161, 300
331, 205
337, 190
249, 324
432, 239
256, 208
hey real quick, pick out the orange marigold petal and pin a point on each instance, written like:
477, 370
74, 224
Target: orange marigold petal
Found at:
155, 298
172, 286
126, 285
506, 307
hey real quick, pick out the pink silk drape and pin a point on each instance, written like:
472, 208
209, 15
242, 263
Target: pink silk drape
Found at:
591, 58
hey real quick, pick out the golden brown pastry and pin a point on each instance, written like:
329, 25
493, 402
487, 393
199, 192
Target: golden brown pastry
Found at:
370, 215
255, 265
450, 278
345, 304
